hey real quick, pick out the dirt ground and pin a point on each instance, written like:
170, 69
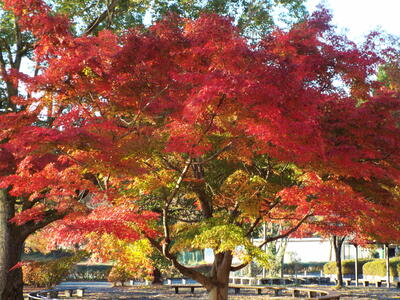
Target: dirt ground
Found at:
167, 293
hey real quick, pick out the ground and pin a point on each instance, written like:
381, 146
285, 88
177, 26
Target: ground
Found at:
166, 293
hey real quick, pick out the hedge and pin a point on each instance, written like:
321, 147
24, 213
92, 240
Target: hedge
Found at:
378, 267
347, 267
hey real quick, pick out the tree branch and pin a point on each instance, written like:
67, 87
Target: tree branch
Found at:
255, 224
290, 231
49, 217
269, 240
179, 181
181, 268
165, 209
169, 164
92, 26
213, 155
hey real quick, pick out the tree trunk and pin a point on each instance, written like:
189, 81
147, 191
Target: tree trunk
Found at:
337, 244
157, 277
218, 293
218, 285
11, 246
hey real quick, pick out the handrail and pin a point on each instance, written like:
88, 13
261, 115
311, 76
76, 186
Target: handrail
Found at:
39, 294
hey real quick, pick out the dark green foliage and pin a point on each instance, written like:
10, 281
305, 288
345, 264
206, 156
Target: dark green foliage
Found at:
299, 267
347, 267
378, 267
90, 272
38, 256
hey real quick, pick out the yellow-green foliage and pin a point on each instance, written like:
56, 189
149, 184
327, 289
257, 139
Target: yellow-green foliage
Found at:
132, 259
249, 191
220, 237
120, 274
49, 273
347, 266
378, 267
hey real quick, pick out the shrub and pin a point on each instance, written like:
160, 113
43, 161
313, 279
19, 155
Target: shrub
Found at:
120, 274
347, 267
49, 273
378, 267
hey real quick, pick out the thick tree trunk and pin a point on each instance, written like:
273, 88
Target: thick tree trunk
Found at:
218, 285
157, 277
3, 238
337, 244
218, 293
11, 246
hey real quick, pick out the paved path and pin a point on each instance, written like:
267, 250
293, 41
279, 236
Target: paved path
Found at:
105, 291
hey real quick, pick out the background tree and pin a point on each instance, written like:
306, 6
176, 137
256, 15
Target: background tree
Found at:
275, 250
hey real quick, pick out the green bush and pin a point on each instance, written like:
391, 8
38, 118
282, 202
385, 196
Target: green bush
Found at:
49, 273
378, 267
347, 267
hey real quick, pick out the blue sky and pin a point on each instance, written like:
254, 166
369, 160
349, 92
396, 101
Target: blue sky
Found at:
359, 17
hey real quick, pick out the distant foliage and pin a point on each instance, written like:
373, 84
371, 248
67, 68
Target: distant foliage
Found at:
49, 273
301, 267
90, 272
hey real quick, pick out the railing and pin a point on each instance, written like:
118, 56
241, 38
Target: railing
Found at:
54, 293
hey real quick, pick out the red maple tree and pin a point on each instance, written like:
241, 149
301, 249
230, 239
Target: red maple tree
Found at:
190, 120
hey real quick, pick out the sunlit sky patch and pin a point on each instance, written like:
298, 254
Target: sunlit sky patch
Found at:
359, 17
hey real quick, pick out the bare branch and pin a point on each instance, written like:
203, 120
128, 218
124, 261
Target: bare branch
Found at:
92, 26
169, 164
287, 233
234, 212
213, 155
269, 240
168, 202
238, 267
221, 100
179, 181
253, 226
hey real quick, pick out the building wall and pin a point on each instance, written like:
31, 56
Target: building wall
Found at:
318, 250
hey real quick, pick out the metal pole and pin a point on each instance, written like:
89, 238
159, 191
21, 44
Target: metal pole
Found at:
387, 265
356, 264
264, 271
